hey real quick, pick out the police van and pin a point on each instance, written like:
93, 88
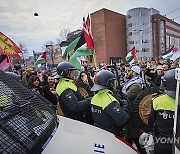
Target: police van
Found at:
29, 124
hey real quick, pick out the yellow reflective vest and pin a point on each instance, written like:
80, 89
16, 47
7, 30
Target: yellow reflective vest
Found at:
64, 84
103, 98
164, 102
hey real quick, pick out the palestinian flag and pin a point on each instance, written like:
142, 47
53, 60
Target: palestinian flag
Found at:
41, 60
69, 45
81, 41
168, 54
131, 56
73, 46
85, 38
82, 51
176, 54
85, 45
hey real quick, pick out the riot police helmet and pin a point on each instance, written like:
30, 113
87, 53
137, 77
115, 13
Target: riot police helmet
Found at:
170, 83
65, 69
103, 79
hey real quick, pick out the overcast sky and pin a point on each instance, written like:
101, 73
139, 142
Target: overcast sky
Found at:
19, 24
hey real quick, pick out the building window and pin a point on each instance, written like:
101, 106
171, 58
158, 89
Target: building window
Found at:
142, 14
172, 25
130, 34
131, 42
145, 41
167, 41
145, 50
172, 32
130, 25
128, 16
117, 60
138, 41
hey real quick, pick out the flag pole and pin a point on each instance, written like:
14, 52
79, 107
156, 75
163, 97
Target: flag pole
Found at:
94, 58
90, 32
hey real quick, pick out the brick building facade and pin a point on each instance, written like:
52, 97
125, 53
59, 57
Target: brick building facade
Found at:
109, 33
166, 33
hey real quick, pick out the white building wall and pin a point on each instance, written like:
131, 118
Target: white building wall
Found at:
139, 31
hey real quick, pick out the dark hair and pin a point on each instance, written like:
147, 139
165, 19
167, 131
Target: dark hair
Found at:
31, 81
168, 64
143, 66
90, 81
122, 64
159, 63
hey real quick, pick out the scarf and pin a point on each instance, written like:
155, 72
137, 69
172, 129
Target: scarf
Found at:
136, 79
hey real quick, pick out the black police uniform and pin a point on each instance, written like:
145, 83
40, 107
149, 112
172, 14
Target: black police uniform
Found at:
162, 115
161, 118
107, 112
72, 103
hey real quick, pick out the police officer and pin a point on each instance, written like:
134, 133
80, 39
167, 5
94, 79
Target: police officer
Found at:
108, 112
161, 118
72, 103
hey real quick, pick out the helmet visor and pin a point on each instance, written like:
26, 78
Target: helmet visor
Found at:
73, 74
112, 83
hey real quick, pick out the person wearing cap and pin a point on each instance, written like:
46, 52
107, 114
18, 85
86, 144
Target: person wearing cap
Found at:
131, 89
161, 119
108, 112
72, 103
135, 81
26, 75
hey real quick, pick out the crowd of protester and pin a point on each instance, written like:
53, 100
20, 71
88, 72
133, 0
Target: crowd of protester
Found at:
44, 82
151, 73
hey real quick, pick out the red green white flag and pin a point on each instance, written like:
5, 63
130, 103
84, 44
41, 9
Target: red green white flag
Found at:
131, 56
41, 60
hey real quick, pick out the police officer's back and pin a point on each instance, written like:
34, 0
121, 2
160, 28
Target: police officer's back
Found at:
108, 113
162, 114
72, 103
